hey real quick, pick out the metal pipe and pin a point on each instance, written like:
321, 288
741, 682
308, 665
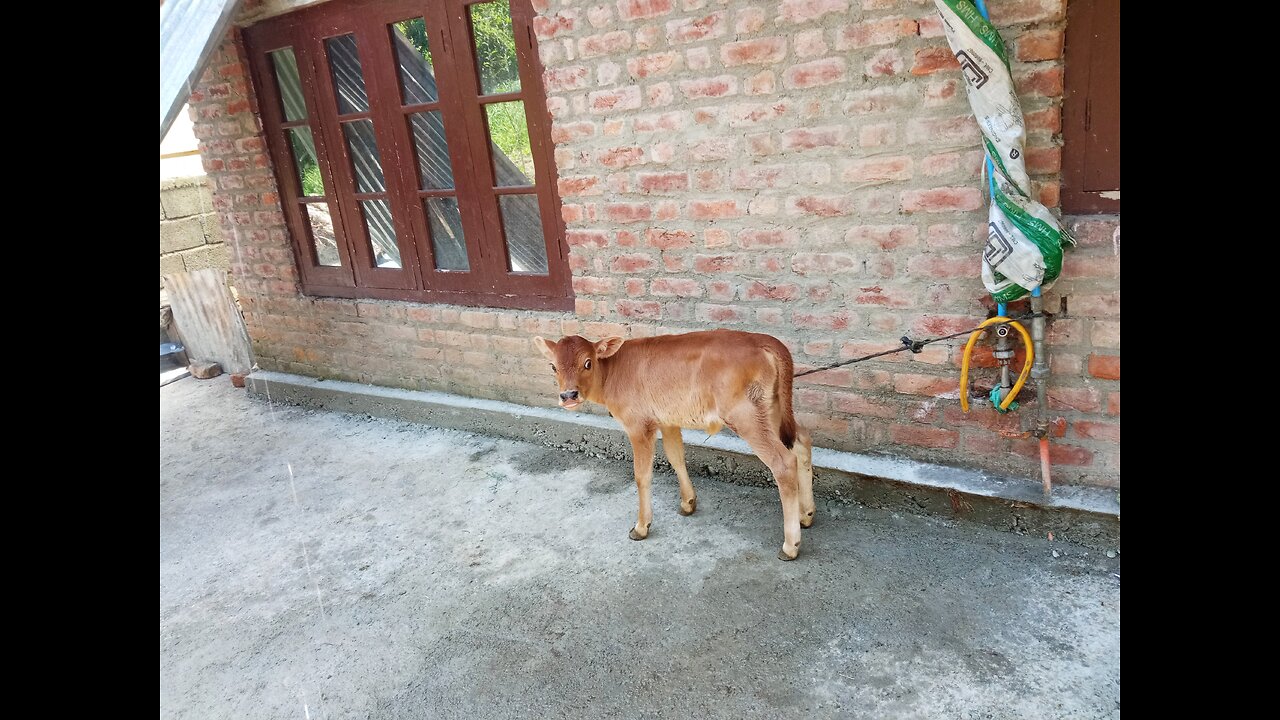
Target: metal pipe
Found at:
1003, 355
1040, 372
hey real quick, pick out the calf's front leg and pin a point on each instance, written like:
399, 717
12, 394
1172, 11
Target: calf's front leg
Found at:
642, 441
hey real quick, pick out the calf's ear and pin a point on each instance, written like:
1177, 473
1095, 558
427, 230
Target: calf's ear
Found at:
547, 347
608, 346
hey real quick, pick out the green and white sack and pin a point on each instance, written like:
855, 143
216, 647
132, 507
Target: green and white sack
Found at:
1024, 243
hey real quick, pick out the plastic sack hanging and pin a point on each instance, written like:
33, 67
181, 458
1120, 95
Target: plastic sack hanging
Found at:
1024, 240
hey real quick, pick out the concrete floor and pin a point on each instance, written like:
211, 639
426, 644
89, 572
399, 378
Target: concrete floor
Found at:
320, 565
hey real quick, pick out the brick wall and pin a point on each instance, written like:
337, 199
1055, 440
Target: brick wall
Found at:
807, 168
189, 234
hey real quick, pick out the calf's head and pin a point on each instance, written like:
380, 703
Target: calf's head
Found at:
574, 360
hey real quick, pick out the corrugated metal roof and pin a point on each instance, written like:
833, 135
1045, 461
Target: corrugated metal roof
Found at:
190, 30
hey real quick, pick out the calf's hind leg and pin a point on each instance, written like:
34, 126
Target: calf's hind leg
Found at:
673, 445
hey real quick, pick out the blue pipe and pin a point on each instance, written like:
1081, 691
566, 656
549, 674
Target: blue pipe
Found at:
991, 175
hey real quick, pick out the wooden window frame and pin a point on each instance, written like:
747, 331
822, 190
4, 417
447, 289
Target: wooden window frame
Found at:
488, 282
1090, 34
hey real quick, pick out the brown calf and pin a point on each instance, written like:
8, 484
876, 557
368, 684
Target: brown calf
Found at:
702, 380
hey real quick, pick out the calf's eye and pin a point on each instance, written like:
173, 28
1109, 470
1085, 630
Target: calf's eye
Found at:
587, 366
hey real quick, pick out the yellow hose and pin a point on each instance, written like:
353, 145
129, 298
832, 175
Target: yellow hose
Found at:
968, 349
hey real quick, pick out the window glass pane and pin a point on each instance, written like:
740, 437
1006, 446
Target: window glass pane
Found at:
326, 242
526, 248
495, 47
447, 242
304, 160
413, 56
291, 101
348, 81
365, 162
382, 233
509, 136
434, 169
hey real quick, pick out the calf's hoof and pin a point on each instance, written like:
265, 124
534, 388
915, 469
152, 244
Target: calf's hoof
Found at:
783, 556
806, 520
688, 510
634, 534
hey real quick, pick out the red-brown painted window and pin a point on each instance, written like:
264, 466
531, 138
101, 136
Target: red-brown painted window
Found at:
411, 144
1091, 112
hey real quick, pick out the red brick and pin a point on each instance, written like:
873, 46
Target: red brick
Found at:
753, 239
749, 20
760, 176
665, 122
1036, 45
720, 148
548, 26
639, 310
1113, 403
878, 135
930, 385
668, 239
884, 63
1078, 399
587, 238
721, 291
660, 94
716, 263
1106, 367
1049, 120
1079, 265
933, 59
983, 416
662, 182
767, 291
675, 287
924, 436
822, 206
761, 51
942, 200
801, 11
580, 185
1105, 334
878, 100
628, 212
632, 263
877, 170
643, 9
708, 179
815, 73
810, 138
1059, 454
594, 285
606, 44
695, 29
720, 313
762, 83
1027, 11
1097, 430
855, 404
823, 263
647, 66
755, 113
1043, 82
608, 101
811, 43
1044, 161
958, 130
881, 31
935, 266
714, 209
634, 287
709, 87
823, 321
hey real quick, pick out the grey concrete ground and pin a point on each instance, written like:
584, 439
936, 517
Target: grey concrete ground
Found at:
320, 565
